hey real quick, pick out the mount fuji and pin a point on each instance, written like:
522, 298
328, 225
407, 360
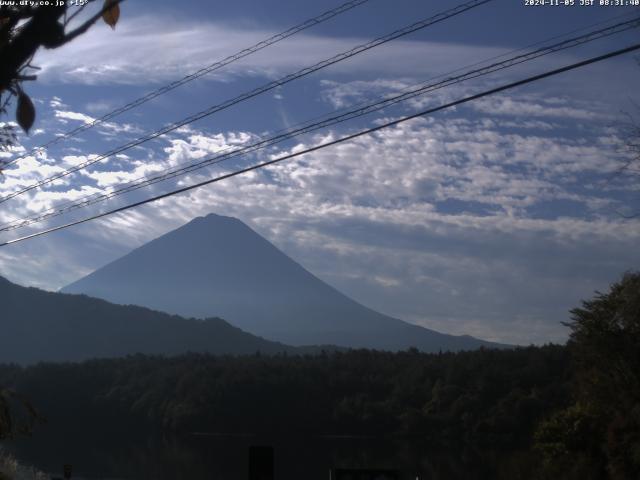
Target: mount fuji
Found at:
217, 266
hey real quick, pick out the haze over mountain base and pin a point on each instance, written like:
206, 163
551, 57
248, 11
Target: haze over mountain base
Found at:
218, 266
41, 326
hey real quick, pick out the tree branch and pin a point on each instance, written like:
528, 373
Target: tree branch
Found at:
86, 25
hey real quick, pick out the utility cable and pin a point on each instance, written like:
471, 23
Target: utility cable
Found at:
260, 90
321, 146
310, 127
197, 74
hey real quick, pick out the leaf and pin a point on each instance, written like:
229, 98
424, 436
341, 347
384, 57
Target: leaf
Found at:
111, 15
25, 112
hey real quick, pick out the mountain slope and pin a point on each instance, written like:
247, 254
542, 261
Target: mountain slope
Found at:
43, 326
218, 266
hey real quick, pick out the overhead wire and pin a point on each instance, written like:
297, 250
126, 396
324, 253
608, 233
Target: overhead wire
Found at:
325, 122
258, 91
340, 140
195, 75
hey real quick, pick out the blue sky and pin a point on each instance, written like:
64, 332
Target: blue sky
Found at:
492, 219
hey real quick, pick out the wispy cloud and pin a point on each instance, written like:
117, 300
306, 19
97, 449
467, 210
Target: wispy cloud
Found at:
160, 54
375, 217
492, 220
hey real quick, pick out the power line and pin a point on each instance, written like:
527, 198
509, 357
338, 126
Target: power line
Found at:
197, 74
331, 120
335, 142
260, 90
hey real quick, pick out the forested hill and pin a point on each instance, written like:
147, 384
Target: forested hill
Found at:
43, 326
219, 266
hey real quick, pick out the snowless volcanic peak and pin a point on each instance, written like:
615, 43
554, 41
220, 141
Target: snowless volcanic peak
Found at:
218, 266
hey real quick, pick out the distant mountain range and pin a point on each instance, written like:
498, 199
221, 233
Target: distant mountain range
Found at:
216, 266
43, 326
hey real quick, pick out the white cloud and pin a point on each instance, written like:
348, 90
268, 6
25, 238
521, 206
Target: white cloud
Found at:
197, 146
433, 221
341, 94
105, 128
371, 217
27, 171
540, 107
56, 102
160, 54
66, 115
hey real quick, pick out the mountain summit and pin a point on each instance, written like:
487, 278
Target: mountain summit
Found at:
218, 266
